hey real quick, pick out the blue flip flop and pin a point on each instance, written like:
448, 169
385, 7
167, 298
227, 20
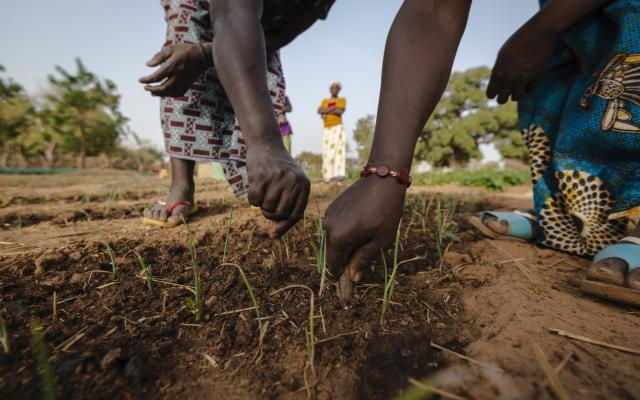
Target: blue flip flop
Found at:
519, 225
629, 252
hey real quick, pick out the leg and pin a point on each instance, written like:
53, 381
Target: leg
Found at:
182, 189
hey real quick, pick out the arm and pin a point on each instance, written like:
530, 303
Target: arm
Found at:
289, 31
418, 58
525, 55
277, 184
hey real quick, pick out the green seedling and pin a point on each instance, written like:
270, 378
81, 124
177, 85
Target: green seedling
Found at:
390, 283
252, 295
147, 272
226, 240
18, 220
319, 244
309, 334
194, 303
251, 233
44, 367
107, 245
4, 335
444, 234
285, 242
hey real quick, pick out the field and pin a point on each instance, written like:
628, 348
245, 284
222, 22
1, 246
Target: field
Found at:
96, 305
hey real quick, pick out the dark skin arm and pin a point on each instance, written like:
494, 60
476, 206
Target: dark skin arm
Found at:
331, 110
418, 59
276, 183
182, 64
290, 30
523, 58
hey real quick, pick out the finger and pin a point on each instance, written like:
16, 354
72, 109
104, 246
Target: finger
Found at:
279, 228
517, 92
160, 57
161, 90
338, 254
256, 193
492, 88
361, 259
503, 96
287, 203
164, 72
271, 201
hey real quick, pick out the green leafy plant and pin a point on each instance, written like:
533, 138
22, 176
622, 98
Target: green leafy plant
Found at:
147, 271
4, 335
389, 283
194, 303
44, 367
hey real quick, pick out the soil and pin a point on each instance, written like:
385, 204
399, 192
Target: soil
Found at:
112, 337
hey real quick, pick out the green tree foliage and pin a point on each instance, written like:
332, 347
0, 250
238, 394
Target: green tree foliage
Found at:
16, 117
464, 118
85, 112
310, 162
363, 136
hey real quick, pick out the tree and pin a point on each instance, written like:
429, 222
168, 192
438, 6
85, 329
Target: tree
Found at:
363, 136
464, 118
16, 117
309, 161
85, 112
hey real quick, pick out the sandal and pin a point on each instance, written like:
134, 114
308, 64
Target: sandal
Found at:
193, 208
629, 252
519, 224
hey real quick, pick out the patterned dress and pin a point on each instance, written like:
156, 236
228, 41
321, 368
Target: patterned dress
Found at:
201, 125
581, 125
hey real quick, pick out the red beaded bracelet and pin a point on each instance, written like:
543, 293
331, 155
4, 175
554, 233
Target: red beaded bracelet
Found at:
384, 171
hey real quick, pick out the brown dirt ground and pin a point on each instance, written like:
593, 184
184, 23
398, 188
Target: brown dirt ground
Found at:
113, 338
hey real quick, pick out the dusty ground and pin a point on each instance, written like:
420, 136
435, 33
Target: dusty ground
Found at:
114, 338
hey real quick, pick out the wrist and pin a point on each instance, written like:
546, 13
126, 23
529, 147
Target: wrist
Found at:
388, 173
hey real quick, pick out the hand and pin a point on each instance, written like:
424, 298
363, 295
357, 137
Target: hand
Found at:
277, 185
521, 61
362, 221
182, 64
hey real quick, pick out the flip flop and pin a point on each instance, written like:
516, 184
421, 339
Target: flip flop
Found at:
193, 208
629, 252
519, 225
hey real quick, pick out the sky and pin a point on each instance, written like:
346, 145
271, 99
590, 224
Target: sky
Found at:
115, 38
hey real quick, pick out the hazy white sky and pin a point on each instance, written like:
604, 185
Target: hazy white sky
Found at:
116, 37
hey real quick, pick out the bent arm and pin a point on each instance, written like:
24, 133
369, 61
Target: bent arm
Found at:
240, 58
419, 54
560, 15
289, 31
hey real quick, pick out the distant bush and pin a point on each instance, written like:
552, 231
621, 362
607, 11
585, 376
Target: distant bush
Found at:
488, 179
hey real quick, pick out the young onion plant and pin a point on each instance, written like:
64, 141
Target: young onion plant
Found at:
4, 335
194, 303
390, 282
44, 367
444, 233
147, 271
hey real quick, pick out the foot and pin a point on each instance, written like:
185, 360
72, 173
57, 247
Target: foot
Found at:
502, 227
614, 271
159, 210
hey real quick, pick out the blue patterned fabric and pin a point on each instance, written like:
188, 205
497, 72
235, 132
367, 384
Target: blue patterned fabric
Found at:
581, 124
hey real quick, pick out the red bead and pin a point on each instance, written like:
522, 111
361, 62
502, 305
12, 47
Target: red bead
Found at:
383, 171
